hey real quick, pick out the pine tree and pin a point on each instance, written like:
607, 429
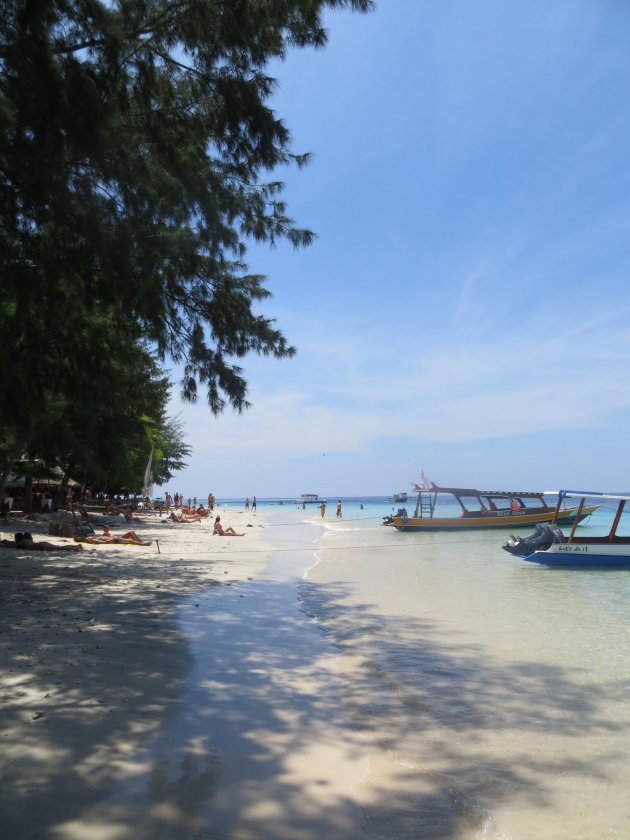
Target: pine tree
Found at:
137, 145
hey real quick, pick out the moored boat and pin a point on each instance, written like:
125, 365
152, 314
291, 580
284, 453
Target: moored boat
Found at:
481, 509
550, 546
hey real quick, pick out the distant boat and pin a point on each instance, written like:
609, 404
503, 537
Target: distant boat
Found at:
400, 497
308, 499
549, 546
483, 509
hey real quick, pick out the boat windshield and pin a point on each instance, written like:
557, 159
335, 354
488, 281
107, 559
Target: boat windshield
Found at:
616, 506
499, 502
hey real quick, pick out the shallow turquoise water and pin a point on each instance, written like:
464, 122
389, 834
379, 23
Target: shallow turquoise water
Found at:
490, 694
494, 690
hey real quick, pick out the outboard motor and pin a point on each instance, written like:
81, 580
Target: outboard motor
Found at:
389, 520
543, 537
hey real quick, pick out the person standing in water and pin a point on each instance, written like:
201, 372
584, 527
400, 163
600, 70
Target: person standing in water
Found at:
322, 508
339, 514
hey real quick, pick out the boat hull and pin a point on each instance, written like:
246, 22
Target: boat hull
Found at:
579, 555
502, 519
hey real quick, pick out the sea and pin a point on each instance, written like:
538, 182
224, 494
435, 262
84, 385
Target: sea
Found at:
495, 692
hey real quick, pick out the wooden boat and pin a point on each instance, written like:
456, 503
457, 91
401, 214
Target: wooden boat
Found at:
548, 545
483, 509
400, 497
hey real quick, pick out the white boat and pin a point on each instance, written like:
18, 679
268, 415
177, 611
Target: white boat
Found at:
551, 547
308, 499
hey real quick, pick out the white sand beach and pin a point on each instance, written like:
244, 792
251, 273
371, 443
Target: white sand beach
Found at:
171, 691
208, 687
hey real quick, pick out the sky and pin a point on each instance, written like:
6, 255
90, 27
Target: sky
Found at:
465, 309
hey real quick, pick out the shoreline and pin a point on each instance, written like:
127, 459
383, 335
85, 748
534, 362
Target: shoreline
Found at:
106, 653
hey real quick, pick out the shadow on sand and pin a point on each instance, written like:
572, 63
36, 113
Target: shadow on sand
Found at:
112, 730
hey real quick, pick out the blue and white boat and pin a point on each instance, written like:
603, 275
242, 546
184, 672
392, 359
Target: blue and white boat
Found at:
550, 546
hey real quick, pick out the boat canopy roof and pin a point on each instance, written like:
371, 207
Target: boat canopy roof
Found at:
586, 494
463, 491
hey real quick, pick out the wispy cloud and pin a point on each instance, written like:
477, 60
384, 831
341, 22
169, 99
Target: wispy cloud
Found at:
526, 383
468, 290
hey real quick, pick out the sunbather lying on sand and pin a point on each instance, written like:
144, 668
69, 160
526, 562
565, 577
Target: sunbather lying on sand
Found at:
128, 538
26, 541
95, 518
130, 516
224, 532
185, 517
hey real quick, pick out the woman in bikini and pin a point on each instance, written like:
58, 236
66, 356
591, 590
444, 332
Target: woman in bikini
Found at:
224, 532
128, 538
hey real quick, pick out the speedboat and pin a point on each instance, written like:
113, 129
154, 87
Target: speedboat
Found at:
550, 546
481, 509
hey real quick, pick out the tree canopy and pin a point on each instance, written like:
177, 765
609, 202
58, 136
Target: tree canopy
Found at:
137, 145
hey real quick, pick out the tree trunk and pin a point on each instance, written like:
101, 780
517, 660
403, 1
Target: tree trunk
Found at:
6, 469
59, 501
28, 494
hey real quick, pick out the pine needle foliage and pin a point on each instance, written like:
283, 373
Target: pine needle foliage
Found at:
137, 149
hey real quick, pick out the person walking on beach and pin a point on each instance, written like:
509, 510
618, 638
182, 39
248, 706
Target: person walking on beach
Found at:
339, 514
322, 508
254, 503
247, 503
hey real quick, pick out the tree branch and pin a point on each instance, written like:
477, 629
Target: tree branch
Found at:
148, 28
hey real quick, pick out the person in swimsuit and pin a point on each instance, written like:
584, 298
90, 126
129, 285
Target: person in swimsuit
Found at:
185, 517
224, 532
128, 538
26, 541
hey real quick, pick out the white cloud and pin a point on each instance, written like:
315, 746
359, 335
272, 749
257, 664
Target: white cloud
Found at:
572, 378
468, 290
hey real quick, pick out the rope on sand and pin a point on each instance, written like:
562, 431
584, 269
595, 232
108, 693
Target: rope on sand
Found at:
319, 521
314, 550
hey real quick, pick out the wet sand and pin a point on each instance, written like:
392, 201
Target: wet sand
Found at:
176, 692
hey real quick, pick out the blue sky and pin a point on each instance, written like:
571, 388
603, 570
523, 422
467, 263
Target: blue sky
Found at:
465, 309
